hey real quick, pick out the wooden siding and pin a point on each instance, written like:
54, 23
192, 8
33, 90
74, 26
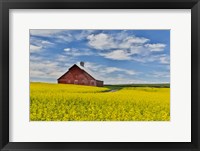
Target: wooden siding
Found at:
75, 75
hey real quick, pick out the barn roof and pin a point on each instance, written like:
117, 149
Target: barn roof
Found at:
95, 76
92, 74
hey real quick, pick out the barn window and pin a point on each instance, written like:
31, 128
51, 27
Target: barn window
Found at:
75, 81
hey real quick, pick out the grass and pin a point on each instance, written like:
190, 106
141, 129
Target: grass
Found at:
117, 87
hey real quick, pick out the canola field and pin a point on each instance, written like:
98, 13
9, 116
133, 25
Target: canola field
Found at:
64, 102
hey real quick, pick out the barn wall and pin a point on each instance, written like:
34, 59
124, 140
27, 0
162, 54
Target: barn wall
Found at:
99, 83
80, 77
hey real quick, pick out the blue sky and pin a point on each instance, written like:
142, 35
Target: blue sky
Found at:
114, 56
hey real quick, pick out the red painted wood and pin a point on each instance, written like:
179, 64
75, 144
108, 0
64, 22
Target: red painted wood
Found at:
75, 75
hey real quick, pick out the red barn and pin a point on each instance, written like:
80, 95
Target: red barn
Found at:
78, 74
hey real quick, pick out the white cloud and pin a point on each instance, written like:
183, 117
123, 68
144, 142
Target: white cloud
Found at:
106, 74
64, 37
115, 69
67, 49
105, 41
48, 70
101, 41
83, 34
131, 41
140, 50
130, 72
163, 74
34, 48
155, 47
164, 60
126, 47
93, 66
121, 46
161, 58
37, 45
61, 35
117, 55
73, 52
136, 40
45, 42
111, 69
43, 68
58, 35
103, 70
62, 58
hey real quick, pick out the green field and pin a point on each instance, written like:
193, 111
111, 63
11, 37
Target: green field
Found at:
65, 102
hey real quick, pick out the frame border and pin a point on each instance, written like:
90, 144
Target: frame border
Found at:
5, 5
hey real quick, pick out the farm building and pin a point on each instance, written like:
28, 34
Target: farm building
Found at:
78, 74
